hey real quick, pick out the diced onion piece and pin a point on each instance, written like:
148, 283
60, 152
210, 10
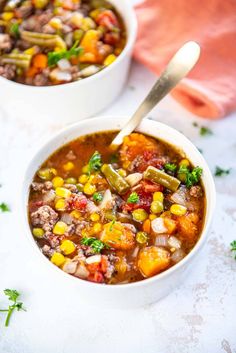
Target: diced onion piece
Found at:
134, 179
58, 75
174, 242
106, 201
93, 259
81, 271
49, 196
158, 226
89, 71
70, 267
161, 240
64, 64
67, 218
180, 196
178, 255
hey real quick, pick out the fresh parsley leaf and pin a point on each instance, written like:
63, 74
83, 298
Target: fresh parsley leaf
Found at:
171, 167
133, 198
95, 162
233, 248
4, 207
191, 177
13, 296
205, 131
14, 30
97, 196
96, 244
221, 172
55, 56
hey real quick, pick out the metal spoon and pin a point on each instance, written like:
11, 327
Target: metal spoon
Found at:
178, 67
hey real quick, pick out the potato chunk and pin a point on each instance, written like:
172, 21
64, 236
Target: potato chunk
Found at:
152, 260
118, 236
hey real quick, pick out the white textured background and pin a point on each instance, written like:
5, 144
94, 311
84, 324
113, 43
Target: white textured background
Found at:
199, 316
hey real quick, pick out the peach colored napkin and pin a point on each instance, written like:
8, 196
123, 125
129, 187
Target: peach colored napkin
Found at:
164, 25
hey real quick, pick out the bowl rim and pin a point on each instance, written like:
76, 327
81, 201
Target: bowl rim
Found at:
132, 34
145, 123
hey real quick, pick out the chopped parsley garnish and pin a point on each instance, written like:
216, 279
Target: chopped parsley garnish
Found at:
55, 56
14, 30
220, 172
233, 248
133, 198
4, 207
203, 130
191, 177
13, 296
96, 244
97, 196
170, 167
95, 162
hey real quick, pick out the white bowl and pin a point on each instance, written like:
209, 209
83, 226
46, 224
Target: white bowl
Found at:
76, 100
148, 290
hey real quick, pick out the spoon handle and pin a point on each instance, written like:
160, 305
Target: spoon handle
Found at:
178, 67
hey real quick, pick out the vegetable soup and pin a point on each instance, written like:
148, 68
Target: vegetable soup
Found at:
45, 42
116, 218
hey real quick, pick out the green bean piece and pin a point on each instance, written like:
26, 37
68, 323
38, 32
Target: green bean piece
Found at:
43, 39
158, 176
101, 4
20, 60
116, 181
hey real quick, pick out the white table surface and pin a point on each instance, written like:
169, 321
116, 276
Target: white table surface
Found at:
199, 316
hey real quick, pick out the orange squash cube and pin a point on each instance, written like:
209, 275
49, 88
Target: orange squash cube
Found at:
152, 260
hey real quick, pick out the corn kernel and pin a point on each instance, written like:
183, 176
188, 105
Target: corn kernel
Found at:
47, 173
38, 232
139, 215
85, 169
60, 205
178, 210
97, 227
67, 247
83, 178
158, 196
57, 182
71, 181
122, 172
87, 24
58, 259
68, 166
40, 4
31, 51
63, 192
152, 217
156, 207
7, 16
109, 59
84, 233
55, 23
94, 217
184, 162
76, 214
89, 189
60, 228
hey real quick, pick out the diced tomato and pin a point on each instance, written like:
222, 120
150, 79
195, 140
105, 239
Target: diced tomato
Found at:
150, 187
107, 19
104, 264
97, 277
77, 202
112, 38
92, 268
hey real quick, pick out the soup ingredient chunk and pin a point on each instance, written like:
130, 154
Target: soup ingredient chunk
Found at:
152, 260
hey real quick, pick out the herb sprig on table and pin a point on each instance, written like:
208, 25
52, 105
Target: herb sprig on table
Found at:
4, 207
203, 130
221, 172
233, 248
13, 296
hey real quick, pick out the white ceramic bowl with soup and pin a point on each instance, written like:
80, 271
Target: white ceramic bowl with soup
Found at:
77, 100
121, 295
